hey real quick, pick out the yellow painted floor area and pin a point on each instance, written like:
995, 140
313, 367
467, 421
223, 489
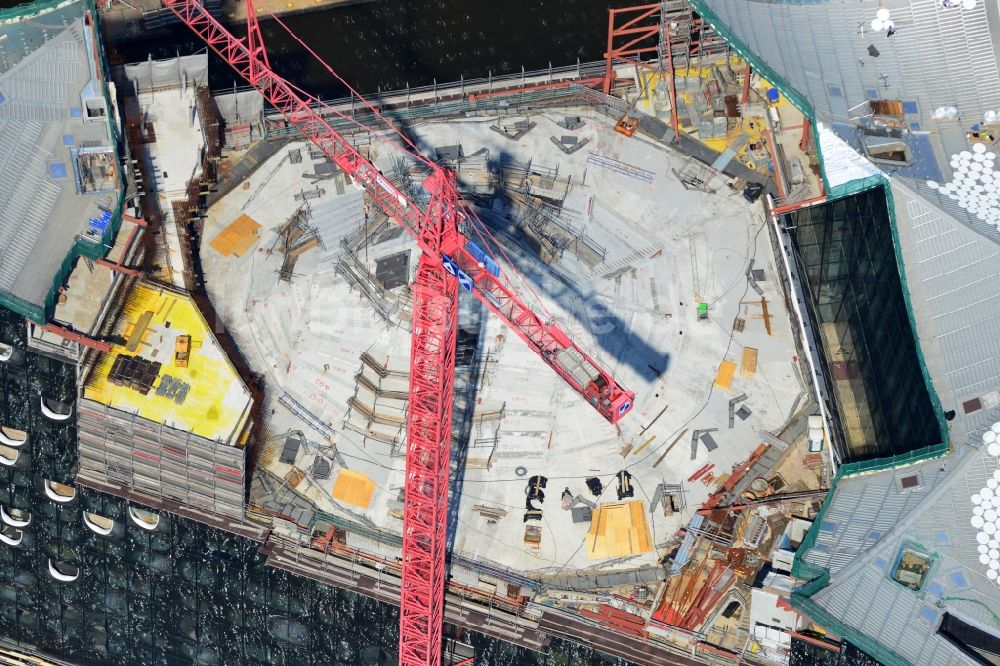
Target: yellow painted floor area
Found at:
353, 488
217, 403
618, 530
724, 378
753, 126
237, 238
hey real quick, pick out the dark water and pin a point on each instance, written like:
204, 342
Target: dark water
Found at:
394, 43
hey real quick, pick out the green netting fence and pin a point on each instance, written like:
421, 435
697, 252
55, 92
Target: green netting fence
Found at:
756, 62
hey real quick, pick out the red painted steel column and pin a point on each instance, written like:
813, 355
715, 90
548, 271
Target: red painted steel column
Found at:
804, 141
428, 461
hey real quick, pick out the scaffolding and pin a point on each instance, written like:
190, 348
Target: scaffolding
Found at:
119, 447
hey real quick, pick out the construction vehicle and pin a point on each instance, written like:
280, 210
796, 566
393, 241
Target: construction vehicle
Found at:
182, 351
627, 125
450, 260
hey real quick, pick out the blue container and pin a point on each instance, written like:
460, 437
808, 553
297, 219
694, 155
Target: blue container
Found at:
772, 95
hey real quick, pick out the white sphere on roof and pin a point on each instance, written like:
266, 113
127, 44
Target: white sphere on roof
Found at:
990, 515
877, 25
990, 528
984, 559
883, 14
992, 483
965, 155
996, 427
993, 565
994, 501
991, 155
991, 574
994, 450
983, 548
982, 537
978, 148
978, 510
979, 157
989, 164
996, 474
933, 184
976, 499
978, 522
985, 493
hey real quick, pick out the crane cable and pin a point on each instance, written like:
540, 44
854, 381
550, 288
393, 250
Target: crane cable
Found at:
480, 228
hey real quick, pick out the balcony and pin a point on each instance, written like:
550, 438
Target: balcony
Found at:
61, 571
55, 410
147, 520
12, 437
15, 517
98, 524
58, 492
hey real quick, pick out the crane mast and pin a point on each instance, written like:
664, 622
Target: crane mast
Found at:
448, 260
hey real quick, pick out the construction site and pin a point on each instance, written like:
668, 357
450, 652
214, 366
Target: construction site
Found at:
662, 526
576, 357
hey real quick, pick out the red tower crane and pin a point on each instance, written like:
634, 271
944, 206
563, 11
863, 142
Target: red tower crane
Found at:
448, 260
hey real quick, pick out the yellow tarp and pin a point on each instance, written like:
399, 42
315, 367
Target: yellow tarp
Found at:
748, 364
618, 530
215, 405
353, 488
237, 238
724, 378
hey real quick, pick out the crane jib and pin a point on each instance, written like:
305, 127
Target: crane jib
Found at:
393, 192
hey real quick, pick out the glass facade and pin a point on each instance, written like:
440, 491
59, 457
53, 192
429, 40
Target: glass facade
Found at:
184, 593
847, 265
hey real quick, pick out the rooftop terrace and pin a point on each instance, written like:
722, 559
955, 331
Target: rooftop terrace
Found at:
59, 173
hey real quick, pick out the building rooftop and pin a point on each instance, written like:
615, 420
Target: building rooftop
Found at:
147, 373
903, 549
59, 177
929, 86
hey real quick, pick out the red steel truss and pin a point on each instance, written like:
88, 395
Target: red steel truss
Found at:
448, 259
634, 40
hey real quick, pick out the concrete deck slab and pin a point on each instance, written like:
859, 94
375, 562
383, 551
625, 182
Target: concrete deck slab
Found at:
668, 249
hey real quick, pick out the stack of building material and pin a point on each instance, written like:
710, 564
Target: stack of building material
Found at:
134, 372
